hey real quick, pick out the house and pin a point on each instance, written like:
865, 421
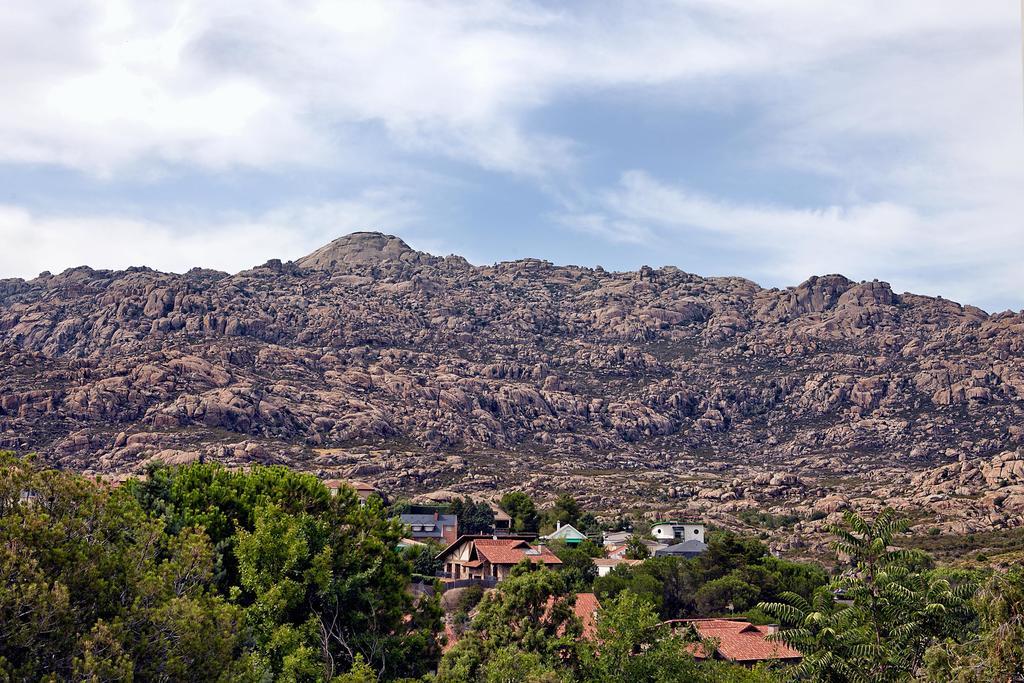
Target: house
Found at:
502, 520
616, 538
688, 549
490, 558
566, 533
585, 608
432, 526
606, 564
674, 532
362, 489
619, 552
735, 640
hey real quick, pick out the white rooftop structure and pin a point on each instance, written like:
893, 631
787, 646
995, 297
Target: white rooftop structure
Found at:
678, 531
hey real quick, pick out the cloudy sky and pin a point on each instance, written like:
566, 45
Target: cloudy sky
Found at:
773, 139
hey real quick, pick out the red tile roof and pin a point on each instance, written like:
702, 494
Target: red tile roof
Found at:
512, 551
738, 640
451, 637
586, 608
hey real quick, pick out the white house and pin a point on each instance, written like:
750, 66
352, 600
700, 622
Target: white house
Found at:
606, 564
614, 538
675, 532
618, 552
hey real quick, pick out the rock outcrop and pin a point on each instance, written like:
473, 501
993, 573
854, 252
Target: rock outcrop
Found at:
367, 351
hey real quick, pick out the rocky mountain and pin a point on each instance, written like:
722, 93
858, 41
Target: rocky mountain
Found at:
425, 374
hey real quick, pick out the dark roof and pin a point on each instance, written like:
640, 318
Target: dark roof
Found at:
688, 548
428, 525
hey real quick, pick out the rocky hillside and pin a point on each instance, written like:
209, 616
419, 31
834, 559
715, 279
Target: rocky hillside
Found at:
427, 373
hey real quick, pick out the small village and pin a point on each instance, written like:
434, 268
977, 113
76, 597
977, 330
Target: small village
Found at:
479, 559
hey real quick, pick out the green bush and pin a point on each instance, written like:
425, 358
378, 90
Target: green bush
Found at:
198, 573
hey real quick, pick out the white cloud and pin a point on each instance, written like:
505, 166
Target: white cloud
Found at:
276, 83
784, 245
104, 84
35, 242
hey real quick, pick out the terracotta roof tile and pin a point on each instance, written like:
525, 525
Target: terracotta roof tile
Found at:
586, 608
738, 641
512, 551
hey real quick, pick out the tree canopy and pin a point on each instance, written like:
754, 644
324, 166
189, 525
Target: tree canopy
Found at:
199, 573
523, 511
877, 619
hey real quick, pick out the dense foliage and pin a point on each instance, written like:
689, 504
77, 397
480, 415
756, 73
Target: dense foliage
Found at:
876, 621
995, 650
733, 571
521, 508
526, 630
474, 517
198, 573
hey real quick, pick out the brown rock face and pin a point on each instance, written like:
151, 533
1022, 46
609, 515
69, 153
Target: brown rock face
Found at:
523, 368
359, 248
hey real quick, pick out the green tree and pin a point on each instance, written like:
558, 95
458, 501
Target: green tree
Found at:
633, 644
727, 594
424, 558
474, 517
577, 568
833, 640
102, 657
222, 502
897, 609
673, 584
521, 508
996, 651
588, 524
530, 612
326, 588
93, 587
510, 663
636, 549
565, 511
203, 574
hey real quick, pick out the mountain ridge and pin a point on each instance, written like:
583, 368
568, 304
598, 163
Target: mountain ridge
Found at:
368, 247
426, 374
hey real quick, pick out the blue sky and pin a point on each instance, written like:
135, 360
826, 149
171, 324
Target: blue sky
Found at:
773, 140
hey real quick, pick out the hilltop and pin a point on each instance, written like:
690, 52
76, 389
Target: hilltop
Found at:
428, 374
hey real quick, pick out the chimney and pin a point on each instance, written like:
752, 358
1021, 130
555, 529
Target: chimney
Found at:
558, 525
436, 515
